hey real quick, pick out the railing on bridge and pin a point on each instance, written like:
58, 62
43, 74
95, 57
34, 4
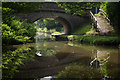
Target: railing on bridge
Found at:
95, 24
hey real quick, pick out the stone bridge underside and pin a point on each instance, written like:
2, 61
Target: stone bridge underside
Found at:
50, 10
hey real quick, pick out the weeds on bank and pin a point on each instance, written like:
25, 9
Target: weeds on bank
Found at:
102, 40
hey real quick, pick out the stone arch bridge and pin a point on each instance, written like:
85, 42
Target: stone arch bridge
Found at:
51, 10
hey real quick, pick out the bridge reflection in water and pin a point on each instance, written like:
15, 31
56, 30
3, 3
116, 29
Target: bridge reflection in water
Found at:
57, 54
51, 57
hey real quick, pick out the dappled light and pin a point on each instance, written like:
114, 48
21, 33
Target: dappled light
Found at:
60, 40
49, 25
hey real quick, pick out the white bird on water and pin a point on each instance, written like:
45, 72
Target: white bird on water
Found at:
38, 53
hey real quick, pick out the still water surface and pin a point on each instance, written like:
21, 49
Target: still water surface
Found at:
48, 58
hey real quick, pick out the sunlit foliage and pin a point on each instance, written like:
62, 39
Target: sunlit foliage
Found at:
15, 31
13, 58
49, 25
18, 32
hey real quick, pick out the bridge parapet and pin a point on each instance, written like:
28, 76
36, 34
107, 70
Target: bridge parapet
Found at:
48, 6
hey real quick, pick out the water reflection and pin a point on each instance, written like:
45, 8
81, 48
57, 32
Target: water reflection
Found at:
43, 36
14, 57
100, 58
38, 53
47, 78
80, 71
60, 58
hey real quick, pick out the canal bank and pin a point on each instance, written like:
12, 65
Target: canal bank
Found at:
92, 40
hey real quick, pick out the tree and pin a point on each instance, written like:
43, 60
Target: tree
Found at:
49, 23
112, 11
25, 7
10, 8
77, 8
15, 31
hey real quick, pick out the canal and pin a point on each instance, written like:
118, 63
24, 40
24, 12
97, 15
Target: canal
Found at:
47, 58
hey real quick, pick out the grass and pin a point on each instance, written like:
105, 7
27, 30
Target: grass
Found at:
85, 28
97, 14
100, 40
96, 40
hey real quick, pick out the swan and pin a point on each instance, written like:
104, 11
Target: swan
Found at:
38, 53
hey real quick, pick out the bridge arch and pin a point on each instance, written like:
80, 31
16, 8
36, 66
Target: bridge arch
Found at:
66, 25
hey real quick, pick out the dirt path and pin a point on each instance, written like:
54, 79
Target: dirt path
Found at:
103, 26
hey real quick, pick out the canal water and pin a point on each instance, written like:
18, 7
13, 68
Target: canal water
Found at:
47, 58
